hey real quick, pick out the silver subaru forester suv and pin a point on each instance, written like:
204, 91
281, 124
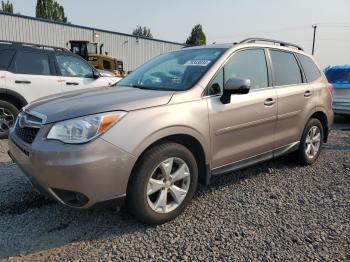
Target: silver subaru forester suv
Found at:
173, 123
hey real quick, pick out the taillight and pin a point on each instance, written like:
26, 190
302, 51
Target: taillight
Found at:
331, 91
330, 88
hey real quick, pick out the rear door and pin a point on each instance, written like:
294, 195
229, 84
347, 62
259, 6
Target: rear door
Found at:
245, 127
6, 56
295, 98
31, 74
76, 73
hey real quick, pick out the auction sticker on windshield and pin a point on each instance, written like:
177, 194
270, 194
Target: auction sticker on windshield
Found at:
197, 62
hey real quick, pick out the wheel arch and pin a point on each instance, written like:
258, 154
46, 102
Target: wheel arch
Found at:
13, 97
322, 117
190, 140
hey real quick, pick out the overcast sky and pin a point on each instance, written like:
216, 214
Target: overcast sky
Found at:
222, 20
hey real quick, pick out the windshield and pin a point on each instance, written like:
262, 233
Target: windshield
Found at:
176, 71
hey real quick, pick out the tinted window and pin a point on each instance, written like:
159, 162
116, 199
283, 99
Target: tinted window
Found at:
286, 68
310, 69
73, 66
6, 58
32, 63
248, 64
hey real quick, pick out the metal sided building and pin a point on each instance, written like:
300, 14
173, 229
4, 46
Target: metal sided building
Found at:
134, 51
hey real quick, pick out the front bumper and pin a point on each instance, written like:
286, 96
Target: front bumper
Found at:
91, 173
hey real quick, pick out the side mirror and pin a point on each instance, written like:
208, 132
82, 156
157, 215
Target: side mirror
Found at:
235, 85
96, 74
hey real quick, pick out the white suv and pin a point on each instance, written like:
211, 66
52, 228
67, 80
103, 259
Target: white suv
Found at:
29, 72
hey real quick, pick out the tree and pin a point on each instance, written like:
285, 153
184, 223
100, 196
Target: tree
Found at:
142, 32
197, 36
7, 7
51, 10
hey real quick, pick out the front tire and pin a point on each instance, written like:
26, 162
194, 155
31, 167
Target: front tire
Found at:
8, 115
311, 142
162, 183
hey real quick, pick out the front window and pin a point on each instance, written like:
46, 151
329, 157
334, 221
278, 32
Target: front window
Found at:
249, 64
175, 71
72, 66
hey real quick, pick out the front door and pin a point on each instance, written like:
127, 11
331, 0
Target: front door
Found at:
244, 128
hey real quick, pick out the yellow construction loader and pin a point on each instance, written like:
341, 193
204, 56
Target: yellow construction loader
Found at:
89, 52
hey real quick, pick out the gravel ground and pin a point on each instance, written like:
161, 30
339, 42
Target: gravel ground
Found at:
273, 211
3, 151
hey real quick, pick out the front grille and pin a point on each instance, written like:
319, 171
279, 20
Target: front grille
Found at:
27, 134
27, 126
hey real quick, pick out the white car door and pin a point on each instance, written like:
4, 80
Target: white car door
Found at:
31, 75
77, 74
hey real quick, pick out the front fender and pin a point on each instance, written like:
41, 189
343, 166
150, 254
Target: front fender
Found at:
141, 128
172, 131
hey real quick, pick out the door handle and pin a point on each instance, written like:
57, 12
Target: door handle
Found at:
269, 102
307, 93
22, 82
72, 83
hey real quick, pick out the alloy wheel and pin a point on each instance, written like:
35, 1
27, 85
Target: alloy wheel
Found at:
313, 142
168, 185
6, 120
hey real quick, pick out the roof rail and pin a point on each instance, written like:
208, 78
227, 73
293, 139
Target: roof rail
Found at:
281, 43
35, 45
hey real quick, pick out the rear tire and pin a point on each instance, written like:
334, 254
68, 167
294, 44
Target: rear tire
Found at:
162, 183
8, 115
311, 142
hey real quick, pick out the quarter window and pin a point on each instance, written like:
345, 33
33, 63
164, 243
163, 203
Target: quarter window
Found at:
249, 64
286, 68
32, 64
73, 66
216, 84
310, 69
6, 58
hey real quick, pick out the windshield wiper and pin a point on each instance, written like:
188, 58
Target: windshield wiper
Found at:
143, 87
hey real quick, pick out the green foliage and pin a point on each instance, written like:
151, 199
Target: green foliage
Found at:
142, 32
7, 7
197, 37
51, 10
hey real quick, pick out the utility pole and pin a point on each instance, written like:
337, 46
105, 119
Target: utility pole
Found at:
314, 39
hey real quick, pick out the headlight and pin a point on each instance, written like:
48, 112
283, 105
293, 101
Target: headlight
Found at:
83, 129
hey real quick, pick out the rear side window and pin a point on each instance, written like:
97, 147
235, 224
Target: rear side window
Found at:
32, 64
6, 58
310, 69
286, 68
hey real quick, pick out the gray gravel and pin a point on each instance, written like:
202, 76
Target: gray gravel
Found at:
273, 211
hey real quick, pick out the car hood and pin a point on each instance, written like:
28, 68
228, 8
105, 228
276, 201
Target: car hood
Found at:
97, 100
